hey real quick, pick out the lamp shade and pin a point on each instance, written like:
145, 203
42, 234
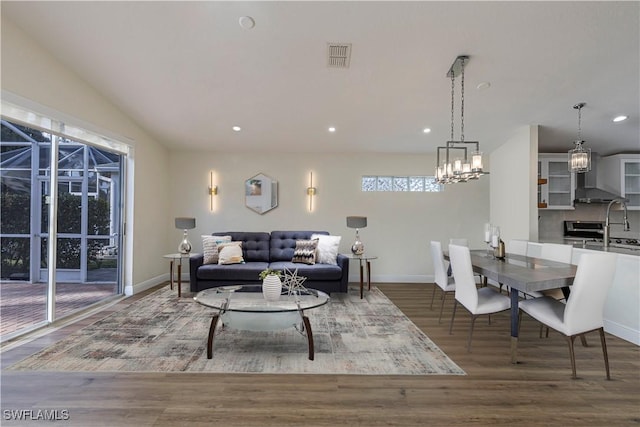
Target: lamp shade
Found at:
185, 223
356, 221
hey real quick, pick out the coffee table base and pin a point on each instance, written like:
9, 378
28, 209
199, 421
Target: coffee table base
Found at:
306, 329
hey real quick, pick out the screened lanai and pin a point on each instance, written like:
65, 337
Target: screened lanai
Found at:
88, 194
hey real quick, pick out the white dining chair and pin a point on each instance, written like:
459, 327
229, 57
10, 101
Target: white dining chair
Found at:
583, 311
463, 242
518, 247
444, 282
557, 252
477, 301
553, 252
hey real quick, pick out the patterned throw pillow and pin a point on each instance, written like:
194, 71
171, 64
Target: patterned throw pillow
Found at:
210, 247
305, 251
230, 253
327, 248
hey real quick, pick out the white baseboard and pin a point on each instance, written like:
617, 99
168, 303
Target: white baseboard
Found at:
401, 278
147, 284
622, 331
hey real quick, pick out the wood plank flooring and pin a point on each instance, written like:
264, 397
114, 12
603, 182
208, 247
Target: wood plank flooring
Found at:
537, 391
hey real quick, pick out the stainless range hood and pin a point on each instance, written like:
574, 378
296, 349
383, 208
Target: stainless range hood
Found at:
587, 190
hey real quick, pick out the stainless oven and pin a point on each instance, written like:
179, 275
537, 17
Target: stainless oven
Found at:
584, 229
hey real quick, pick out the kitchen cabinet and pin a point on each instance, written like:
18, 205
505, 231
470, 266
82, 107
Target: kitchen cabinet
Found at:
559, 191
620, 174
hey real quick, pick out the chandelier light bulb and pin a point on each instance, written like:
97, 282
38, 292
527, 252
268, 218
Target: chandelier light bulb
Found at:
457, 167
476, 161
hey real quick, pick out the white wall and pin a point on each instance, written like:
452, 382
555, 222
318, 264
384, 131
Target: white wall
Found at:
514, 193
400, 225
31, 73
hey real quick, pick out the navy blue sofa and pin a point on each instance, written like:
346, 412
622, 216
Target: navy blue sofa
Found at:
262, 250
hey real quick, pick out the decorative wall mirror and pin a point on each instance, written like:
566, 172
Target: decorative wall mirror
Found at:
261, 193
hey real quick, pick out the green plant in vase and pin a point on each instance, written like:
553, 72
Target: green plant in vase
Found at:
270, 272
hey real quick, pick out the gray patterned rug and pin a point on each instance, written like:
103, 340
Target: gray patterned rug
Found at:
161, 333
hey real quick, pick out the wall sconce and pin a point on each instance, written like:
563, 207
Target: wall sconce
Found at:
213, 190
311, 191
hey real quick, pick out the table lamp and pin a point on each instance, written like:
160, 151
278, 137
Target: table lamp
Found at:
185, 224
357, 222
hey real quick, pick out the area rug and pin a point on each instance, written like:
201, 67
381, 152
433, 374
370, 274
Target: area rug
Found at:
162, 333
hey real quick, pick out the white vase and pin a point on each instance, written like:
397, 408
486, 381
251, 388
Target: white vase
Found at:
271, 287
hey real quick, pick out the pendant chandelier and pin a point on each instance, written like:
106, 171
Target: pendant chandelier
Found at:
454, 163
579, 157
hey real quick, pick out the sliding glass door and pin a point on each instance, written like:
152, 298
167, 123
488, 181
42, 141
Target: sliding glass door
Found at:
87, 196
22, 299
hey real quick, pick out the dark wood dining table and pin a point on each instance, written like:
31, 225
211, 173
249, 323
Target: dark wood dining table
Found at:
524, 274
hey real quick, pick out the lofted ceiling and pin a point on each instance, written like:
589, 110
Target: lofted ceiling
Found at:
187, 72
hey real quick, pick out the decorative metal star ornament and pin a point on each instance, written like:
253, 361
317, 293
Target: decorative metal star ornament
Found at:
293, 283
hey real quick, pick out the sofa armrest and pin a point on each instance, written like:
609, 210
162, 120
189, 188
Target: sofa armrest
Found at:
195, 261
343, 263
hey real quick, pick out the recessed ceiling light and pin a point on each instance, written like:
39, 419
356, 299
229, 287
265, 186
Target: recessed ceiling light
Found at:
332, 129
483, 86
620, 118
236, 128
426, 130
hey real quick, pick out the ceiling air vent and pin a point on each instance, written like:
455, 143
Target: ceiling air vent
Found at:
338, 55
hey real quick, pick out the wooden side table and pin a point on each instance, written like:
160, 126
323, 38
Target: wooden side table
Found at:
363, 259
172, 261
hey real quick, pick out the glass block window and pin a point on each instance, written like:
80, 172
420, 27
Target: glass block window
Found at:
401, 183
384, 183
369, 183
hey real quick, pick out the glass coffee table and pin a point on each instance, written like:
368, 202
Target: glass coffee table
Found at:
244, 307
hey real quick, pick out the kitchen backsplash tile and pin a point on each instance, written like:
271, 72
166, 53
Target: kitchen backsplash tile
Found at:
550, 222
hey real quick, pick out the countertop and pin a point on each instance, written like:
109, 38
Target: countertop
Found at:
596, 246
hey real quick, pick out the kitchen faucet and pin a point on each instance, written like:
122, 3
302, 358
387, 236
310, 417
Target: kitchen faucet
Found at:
624, 223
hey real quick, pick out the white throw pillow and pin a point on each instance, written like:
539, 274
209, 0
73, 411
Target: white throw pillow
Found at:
328, 246
230, 253
210, 247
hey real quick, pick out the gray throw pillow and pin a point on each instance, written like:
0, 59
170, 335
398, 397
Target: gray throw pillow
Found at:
305, 251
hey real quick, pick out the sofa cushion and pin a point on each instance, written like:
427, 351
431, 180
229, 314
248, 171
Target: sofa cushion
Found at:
321, 272
283, 243
241, 273
255, 245
305, 251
